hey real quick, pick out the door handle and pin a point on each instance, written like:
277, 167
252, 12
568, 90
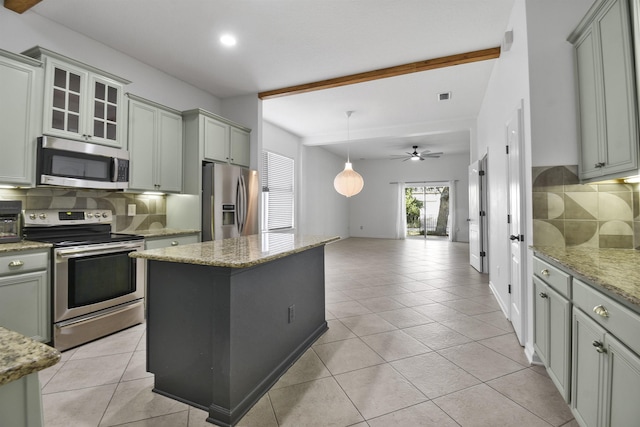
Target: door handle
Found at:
514, 237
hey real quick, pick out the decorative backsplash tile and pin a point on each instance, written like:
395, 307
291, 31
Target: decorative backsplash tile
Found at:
150, 214
569, 214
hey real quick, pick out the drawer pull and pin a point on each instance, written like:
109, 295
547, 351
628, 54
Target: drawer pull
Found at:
174, 243
16, 263
543, 295
601, 311
599, 347
545, 272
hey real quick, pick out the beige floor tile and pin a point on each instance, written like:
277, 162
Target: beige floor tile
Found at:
82, 373
376, 291
367, 324
121, 342
495, 318
437, 336
481, 406
474, 329
137, 367
434, 375
335, 296
347, 355
411, 299
307, 368
539, 396
404, 317
336, 332
439, 295
416, 286
314, 404
439, 312
45, 375
347, 308
134, 401
395, 345
424, 414
378, 304
82, 407
261, 415
507, 345
379, 390
179, 419
470, 308
480, 361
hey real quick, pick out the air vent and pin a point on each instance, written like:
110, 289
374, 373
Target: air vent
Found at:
445, 96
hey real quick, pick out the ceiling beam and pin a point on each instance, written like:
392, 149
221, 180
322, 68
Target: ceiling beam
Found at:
20, 6
398, 70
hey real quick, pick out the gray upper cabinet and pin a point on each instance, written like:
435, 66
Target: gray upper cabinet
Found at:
155, 146
81, 102
219, 139
20, 117
606, 92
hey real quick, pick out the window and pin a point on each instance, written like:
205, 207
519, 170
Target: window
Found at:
277, 192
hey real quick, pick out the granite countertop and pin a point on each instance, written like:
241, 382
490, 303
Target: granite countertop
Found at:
24, 245
239, 252
617, 271
20, 356
162, 232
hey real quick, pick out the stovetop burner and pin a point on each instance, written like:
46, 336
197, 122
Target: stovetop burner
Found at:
72, 227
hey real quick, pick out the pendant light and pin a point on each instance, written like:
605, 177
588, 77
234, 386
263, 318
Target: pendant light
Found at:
348, 182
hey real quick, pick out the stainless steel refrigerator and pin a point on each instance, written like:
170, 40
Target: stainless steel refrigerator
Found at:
229, 201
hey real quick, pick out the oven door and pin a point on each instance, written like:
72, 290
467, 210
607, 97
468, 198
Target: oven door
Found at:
94, 277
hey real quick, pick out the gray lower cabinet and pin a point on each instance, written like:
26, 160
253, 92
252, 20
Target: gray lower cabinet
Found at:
606, 364
553, 334
606, 89
25, 294
552, 323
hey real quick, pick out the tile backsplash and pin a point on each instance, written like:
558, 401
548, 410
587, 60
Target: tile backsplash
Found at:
569, 214
150, 210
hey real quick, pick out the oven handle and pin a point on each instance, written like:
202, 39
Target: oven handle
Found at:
71, 253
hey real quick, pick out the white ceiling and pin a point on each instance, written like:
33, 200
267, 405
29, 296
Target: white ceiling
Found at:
283, 43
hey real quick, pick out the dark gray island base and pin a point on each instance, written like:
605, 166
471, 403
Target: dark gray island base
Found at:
219, 337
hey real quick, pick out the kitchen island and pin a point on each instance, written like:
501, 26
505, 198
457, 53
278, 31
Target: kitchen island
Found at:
225, 319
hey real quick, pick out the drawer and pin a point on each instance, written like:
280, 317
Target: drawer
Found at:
20, 262
165, 242
556, 278
614, 317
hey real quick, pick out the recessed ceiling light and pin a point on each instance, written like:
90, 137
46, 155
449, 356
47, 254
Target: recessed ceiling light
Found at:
228, 40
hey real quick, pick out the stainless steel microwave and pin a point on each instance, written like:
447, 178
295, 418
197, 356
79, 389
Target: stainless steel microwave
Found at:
68, 163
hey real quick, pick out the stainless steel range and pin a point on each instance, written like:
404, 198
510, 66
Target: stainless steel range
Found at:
97, 289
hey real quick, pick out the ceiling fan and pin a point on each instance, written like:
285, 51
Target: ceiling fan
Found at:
418, 156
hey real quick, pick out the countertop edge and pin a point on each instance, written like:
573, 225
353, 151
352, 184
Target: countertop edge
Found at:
176, 256
24, 245
21, 356
610, 289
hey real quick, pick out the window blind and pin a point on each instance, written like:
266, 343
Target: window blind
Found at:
277, 191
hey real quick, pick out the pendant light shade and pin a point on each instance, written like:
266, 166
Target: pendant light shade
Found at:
348, 182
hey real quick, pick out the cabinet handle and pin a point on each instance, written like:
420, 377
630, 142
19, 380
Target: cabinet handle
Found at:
600, 165
545, 272
174, 243
599, 346
543, 295
601, 311
16, 263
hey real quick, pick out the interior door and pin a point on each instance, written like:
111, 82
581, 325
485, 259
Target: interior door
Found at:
475, 225
516, 224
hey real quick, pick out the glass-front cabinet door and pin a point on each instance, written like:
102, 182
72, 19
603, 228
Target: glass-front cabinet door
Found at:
81, 102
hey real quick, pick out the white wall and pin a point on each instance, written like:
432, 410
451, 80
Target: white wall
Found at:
537, 71
319, 208
21, 32
373, 211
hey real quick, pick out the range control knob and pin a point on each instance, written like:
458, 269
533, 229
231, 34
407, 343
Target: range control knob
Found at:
42, 216
32, 216
105, 215
89, 215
